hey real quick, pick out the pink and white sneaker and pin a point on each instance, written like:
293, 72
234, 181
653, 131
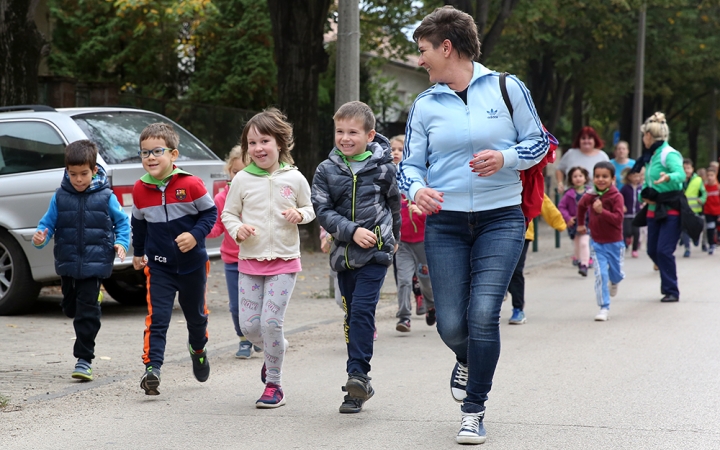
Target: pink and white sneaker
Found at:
272, 397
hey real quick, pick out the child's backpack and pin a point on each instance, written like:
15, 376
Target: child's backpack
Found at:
533, 181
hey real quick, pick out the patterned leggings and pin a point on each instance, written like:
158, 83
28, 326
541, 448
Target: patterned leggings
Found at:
262, 305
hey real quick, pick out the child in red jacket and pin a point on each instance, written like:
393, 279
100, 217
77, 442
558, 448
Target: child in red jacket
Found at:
605, 205
711, 209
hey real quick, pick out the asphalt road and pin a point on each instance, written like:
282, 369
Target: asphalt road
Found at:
647, 378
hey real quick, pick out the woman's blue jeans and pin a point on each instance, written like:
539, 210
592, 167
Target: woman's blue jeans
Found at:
471, 257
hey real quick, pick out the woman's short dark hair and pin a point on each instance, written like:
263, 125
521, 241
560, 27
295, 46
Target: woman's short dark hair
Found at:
588, 131
456, 26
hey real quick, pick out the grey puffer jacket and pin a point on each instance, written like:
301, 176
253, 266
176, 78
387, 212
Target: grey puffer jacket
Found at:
344, 201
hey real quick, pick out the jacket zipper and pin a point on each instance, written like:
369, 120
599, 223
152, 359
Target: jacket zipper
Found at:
347, 261
81, 238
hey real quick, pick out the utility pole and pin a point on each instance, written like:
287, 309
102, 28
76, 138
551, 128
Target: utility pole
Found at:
347, 63
713, 127
639, 85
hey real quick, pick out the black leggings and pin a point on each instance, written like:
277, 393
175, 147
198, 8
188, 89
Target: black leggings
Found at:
630, 231
711, 226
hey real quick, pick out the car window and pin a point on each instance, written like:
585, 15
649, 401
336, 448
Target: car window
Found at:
117, 136
29, 146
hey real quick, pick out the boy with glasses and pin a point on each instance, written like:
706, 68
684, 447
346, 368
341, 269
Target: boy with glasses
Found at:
172, 214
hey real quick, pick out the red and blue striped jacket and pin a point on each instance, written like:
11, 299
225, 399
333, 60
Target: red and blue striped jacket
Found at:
162, 213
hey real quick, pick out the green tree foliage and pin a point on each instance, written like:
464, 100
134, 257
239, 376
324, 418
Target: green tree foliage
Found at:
234, 63
145, 45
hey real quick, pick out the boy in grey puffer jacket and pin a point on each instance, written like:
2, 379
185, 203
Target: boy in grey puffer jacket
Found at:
356, 199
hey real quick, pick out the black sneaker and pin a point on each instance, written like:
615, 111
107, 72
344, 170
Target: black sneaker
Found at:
583, 270
403, 325
430, 317
351, 405
669, 298
150, 381
201, 365
358, 386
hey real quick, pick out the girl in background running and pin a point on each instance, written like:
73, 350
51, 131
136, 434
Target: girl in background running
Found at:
577, 179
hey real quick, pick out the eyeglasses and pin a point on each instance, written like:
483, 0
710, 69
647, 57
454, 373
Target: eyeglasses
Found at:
156, 152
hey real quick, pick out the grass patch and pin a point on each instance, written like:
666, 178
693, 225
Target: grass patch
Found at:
4, 401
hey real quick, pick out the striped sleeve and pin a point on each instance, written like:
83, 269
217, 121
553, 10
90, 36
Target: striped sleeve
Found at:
533, 142
412, 169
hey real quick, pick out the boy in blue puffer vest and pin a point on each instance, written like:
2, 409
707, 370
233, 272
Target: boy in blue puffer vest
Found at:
90, 227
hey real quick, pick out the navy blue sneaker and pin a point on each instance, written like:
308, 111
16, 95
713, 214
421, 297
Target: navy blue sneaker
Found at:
458, 382
472, 430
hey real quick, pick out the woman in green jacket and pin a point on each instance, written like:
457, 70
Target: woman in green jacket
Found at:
664, 177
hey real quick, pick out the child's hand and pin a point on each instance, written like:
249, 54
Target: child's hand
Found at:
597, 206
624, 209
120, 251
244, 232
186, 242
325, 244
413, 208
40, 236
292, 215
581, 229
396, 248
364, 237
571, 222
139, 262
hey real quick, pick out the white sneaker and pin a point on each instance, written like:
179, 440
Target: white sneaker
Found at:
613, 289
472, 430
602, 316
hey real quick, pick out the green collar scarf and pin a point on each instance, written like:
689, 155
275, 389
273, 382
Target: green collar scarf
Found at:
149, 179
599, 192
255, 170
354, 158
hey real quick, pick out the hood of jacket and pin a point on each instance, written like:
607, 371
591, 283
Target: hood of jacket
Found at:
99, 181
380, 148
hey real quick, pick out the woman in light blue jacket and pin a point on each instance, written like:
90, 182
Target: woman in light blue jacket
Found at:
463, 152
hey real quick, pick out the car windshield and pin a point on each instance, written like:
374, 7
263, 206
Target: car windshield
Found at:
117, 136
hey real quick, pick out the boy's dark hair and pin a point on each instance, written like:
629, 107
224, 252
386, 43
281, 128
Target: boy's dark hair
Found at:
356, 110
451, 24
575, 169
163, 131
688, 161
80, 153
270, 122
605, 165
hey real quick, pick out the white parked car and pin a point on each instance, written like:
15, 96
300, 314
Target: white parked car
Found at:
32, 162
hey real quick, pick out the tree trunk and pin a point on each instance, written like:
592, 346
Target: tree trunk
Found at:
577, 117
21, 46
493, 36
298, 28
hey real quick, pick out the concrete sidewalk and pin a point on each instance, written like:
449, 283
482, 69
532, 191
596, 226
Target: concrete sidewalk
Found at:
647, 378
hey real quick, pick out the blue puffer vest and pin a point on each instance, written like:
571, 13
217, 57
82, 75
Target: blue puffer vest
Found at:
84, 233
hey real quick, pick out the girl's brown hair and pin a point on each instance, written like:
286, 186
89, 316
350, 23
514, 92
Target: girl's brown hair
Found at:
582, 170
270, 122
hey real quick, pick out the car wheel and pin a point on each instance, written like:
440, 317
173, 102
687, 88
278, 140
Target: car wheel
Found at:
127, 289
18, 290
